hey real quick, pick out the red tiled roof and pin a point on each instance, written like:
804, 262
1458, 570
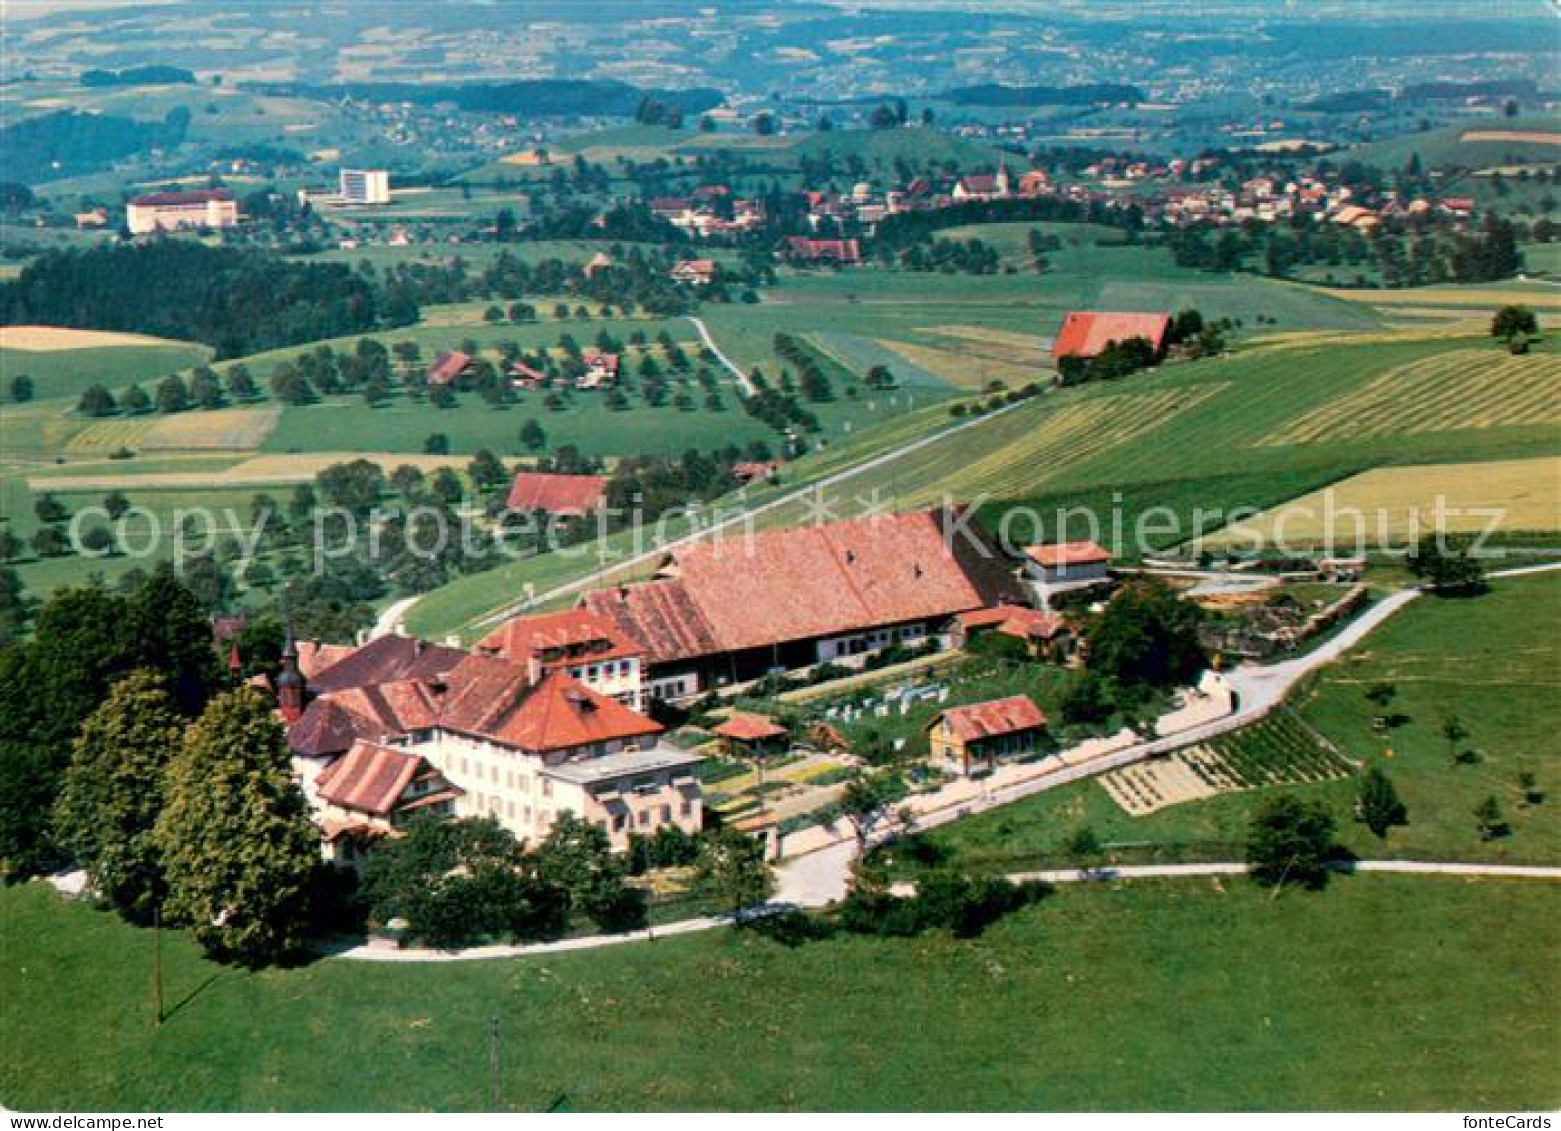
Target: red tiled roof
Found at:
749, 728
1067, 554
1085, 333
384, 660
557, 494
992, 718
196, 196
448, 367
493, 698
841, 251
573, 636
329, 727
314, 657
371, 778
749, 470
777, 586
1015, 620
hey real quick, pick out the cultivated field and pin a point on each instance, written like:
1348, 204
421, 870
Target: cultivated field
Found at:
1510, 495
65, 372
257, 471
1460, 389
227, 429
1277, 751
49, 339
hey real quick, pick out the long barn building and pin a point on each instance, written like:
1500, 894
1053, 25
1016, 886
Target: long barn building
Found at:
729, 611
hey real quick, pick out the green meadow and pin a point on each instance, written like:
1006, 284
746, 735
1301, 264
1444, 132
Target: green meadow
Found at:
1380, 993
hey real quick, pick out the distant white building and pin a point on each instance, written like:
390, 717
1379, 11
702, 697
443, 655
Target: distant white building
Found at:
176, 211
365, 186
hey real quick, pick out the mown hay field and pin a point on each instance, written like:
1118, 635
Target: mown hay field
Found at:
240, 429
1460, 389
49, 339
1391, 502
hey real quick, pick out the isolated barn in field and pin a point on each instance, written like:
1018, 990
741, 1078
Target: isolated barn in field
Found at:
1085, 334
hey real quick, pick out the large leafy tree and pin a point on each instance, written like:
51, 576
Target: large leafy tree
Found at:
237, 846
456, 881
113, 792
84, 640
1146, 637
733, 871
172, 634
1290, 841
1445, 568
577, 857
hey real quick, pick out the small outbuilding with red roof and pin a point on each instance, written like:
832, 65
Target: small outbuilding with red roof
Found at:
1059, 563
985, 732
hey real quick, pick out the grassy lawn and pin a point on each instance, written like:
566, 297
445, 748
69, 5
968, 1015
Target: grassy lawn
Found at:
1383, 993
1476, 659
65, 373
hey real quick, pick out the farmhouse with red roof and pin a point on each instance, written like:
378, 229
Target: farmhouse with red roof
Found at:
1086, 333
838, 253
449, 367
372, 790
402, 726
699, 272
985, 732
557, 494
1046, 635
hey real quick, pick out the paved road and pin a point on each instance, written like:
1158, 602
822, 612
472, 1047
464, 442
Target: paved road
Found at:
392, 615
1060, 876
1231, 868
743, 382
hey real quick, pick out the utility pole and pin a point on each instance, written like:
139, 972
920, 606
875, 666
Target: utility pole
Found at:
493, 1057
157, 958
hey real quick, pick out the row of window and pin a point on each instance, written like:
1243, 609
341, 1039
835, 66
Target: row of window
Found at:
612, 669
646, 817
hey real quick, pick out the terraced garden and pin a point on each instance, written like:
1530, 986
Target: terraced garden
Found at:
1279, 750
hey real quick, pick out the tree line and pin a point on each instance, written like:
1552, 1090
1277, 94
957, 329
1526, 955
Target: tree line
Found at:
237, 301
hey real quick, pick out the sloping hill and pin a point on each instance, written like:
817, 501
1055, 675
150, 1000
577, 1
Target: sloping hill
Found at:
1467, 145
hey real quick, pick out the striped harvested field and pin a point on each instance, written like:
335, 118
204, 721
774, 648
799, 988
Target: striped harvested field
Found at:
1530, 137
970, 367
1395, 501
1015, 467
1459, 389
227, 429
110, 435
